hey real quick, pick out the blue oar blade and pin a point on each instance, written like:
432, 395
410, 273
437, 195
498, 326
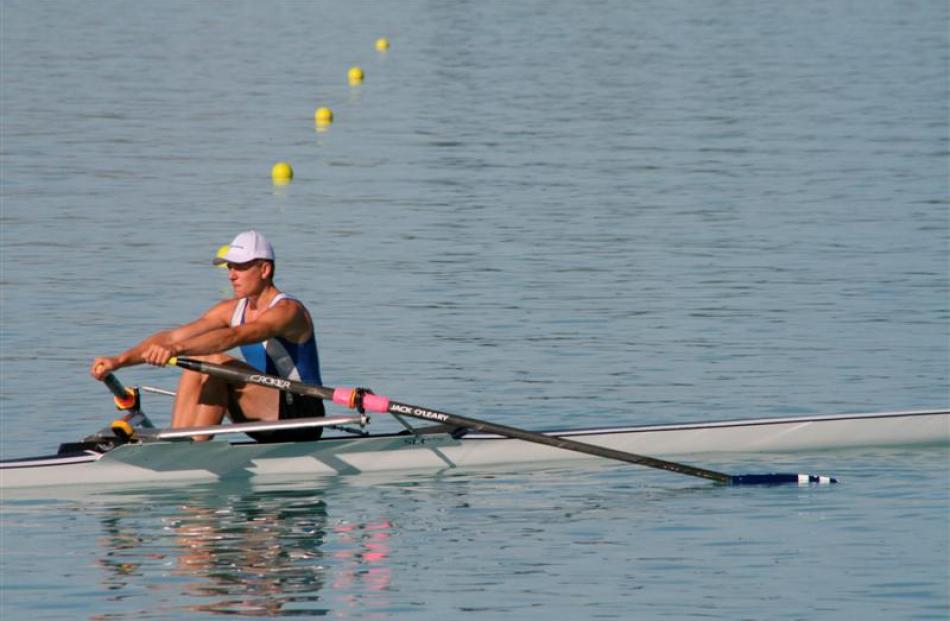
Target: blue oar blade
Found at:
780, 479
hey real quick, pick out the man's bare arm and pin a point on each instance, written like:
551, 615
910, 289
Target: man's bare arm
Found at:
213, 319
285, 319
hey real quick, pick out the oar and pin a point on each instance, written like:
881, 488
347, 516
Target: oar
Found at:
356, 398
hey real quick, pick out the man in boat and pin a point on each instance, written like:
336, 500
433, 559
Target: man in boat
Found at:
276, 336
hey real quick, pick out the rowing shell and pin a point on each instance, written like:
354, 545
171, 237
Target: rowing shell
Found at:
174, 457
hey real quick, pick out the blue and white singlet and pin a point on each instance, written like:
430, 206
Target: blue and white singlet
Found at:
277, 356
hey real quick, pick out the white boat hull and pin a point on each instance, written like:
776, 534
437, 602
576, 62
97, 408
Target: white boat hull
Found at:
163, 461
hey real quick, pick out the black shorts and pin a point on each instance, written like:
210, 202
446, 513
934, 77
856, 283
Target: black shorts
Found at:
292, 406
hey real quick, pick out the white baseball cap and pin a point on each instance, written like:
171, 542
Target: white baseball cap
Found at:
246, 247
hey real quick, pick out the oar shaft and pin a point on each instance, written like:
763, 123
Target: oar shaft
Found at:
376, 403
242, 376
380, 404
352, 398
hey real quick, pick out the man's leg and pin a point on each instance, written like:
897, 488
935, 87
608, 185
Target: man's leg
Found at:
202, 400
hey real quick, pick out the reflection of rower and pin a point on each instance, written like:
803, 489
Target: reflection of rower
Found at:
234, 550
366, 558
274, 331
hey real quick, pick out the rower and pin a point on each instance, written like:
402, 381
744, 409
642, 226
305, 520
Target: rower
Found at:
275, 333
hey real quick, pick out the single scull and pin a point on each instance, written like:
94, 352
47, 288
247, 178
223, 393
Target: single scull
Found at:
132, 452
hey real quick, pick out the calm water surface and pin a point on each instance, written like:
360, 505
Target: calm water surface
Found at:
545, 214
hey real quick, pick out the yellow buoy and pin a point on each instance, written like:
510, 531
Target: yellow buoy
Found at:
223, 250
282, 173
355, 75
382, 44
323, 116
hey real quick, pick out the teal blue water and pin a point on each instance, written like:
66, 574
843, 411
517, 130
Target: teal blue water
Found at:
542, 213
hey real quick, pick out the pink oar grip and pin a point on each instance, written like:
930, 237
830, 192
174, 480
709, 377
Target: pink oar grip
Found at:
373, 403
341, 396
376, 403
